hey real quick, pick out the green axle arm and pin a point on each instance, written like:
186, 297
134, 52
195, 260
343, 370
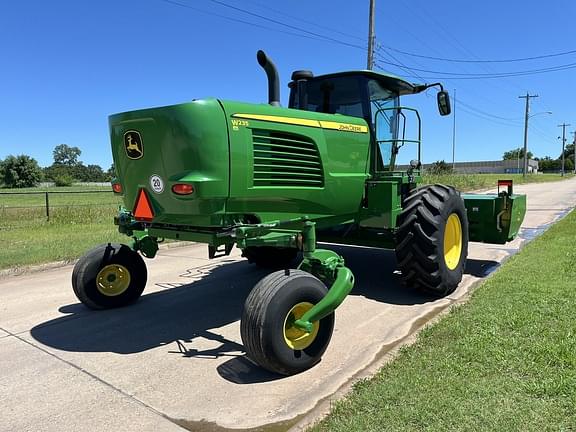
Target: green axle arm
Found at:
326, 265
335, 296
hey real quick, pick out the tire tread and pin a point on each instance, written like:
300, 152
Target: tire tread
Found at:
418, 238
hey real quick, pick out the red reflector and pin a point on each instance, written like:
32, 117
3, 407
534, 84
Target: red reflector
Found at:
183, 189
117, 188
143, 209
504, 183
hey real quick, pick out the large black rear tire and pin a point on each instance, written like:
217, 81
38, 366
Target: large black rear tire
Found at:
432, 239
109, 276
269, 336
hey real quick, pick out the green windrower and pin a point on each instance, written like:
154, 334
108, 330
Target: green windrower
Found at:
274, 182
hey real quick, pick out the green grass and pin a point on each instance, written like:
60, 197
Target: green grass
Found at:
61, 196
81, 187
77, 223
469, 182
505, 361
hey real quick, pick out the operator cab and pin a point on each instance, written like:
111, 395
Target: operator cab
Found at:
370, 95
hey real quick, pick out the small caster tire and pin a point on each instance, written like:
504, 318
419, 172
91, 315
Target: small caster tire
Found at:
270, 338
109, 276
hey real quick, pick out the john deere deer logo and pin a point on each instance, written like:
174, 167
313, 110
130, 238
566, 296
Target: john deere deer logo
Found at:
133, 144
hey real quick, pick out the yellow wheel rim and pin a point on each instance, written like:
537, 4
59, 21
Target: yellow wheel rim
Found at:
296, 338
113, 280
452, 241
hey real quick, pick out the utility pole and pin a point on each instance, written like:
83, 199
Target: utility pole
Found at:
371, 37
454, 132
563, 126
574, 143
526, 115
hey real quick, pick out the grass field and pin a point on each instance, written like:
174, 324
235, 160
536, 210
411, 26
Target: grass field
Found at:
27, 239
61, 196
79, 221
469, 182
505, 361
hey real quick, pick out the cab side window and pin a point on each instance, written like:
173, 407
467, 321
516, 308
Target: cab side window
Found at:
340, 95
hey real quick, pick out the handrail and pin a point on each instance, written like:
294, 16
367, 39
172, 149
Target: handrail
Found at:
396, 141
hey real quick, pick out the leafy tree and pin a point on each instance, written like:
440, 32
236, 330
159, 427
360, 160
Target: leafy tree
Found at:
90, 173
54, 171
514, 154
68, 168
440, 167
111, 173
549, 164
79, 172
20, 171
568, 152
63, 180
66, 155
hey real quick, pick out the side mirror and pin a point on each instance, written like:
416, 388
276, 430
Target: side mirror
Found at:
443, 103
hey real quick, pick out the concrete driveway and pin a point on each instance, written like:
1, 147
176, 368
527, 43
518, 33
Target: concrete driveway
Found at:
175, 361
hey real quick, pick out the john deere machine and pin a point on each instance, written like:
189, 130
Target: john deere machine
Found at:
276, 181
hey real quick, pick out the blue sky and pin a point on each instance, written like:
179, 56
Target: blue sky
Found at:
67, 65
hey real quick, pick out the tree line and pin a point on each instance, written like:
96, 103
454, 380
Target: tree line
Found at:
545, 163
23, 171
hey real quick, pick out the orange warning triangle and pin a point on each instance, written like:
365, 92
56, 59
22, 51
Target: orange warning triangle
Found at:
143, 209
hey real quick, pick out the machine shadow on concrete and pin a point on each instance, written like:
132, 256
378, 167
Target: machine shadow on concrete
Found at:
375, 279
184, 311
180, 312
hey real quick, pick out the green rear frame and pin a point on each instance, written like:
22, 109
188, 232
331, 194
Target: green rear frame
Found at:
354, 205
317, 185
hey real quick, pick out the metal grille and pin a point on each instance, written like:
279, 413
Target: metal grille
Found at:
285, 159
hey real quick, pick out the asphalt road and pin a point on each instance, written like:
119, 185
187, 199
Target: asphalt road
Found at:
175, 360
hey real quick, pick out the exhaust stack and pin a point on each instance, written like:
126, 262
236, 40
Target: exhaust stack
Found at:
273, 80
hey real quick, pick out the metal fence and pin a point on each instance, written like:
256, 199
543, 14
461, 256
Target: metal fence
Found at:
46, 202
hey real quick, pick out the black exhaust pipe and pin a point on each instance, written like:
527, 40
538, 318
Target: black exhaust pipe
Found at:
273, 80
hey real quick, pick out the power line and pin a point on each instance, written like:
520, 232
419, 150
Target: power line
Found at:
481, 116
543, 136
382, 51
383, 69
471, 109
290, 26
237, 20
522, 59
307, 35
535, 126
402, 65
508, 85
459, 75
320, 37
515, 121
281, 13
